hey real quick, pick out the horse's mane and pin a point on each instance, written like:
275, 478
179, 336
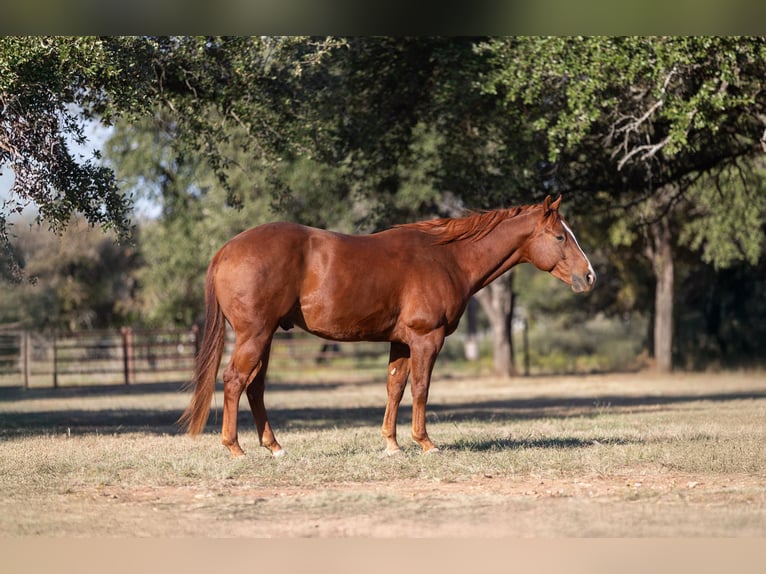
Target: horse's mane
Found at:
473, 226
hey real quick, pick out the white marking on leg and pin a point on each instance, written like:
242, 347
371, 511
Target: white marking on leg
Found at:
393, 371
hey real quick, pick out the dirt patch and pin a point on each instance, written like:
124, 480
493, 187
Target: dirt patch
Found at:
671, 486
481, 506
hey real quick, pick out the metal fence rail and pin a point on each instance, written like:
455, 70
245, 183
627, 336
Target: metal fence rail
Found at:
130, 356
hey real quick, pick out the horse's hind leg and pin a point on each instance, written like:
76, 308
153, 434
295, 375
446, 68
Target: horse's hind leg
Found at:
245, 366
255, 390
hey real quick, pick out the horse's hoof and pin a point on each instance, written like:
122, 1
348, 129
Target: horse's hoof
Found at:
434, 450
279, 453
395, 452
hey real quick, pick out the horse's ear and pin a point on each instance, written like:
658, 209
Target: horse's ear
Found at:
549, 205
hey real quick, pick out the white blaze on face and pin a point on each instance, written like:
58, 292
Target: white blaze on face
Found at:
572, 235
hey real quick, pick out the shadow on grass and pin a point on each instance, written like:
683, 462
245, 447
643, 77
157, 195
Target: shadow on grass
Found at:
509, 443
103, 421
17, 393
84, 391
27, 421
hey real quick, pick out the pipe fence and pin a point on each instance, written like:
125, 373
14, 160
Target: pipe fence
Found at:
130, 356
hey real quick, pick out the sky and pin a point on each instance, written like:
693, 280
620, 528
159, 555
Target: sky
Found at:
6, 181
97, 135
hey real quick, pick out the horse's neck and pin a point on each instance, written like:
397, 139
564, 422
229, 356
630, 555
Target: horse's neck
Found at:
485, 260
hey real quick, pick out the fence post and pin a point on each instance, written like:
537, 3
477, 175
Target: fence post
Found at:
525, 332
25, 358
195, 336
127, 355
55, 361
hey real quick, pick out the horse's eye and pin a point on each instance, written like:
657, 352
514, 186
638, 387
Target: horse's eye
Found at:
560, 237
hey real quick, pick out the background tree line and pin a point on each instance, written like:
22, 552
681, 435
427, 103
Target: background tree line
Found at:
656, 143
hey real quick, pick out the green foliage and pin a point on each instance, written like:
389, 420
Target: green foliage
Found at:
647, 133
358, 133
722, 315
640, 113
202, 86
729, 210
312, 193
195, 217
420, 172
567, 336
82, 280
638, 99
44, 85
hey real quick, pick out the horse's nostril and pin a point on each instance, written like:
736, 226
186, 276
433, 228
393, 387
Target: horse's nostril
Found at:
590, 278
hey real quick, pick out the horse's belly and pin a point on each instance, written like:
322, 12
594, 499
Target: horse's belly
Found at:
347, 322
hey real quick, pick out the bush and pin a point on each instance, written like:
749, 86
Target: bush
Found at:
598, 344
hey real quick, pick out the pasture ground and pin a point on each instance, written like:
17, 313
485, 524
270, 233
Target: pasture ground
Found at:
625, 455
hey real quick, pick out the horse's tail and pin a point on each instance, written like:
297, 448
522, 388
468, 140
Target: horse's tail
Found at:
207, 361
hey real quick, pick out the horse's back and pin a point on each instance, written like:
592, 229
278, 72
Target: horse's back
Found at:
344, 287
269, 235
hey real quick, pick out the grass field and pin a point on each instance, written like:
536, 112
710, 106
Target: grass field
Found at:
606, 455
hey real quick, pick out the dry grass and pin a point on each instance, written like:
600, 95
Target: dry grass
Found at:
611, 455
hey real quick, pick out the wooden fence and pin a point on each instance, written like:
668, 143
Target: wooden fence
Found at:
131, 356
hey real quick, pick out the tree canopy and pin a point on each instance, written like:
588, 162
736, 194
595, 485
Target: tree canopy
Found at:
656, 142
50, 87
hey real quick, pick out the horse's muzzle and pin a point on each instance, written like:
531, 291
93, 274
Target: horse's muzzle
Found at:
584, 283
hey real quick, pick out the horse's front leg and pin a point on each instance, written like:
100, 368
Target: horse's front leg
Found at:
424, 350
398, 371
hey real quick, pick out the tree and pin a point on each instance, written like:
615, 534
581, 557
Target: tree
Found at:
40, 78
81, 280
50, 86
379, 131
419, 138
635, 123
633, 130
498, 301
195, 217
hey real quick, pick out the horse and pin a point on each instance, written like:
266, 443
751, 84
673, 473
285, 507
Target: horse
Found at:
407, 285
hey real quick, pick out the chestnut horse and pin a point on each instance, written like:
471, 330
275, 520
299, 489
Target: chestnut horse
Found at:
408, 285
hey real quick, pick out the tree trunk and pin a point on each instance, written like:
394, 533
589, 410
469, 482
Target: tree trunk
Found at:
497, 300
660, 252
471, 345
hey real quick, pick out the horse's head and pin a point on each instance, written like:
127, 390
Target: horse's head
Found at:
553, 247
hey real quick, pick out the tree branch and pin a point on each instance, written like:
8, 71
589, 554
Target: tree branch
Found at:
646, 151
629, 125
